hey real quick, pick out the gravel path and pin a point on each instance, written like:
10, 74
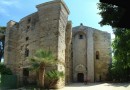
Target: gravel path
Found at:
97, 86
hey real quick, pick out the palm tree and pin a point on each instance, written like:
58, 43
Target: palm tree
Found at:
52, 78
39, 61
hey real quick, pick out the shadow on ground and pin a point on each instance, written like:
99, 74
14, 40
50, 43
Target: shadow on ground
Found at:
119, 84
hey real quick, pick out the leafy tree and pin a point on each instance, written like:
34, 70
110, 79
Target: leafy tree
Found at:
121, 49
39, 62
2, 40
2, 30
111, 15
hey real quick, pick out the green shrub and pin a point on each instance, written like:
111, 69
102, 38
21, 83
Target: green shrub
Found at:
5, 79
4, 70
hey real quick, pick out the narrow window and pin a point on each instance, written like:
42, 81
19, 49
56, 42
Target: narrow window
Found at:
26, 52
80, 36
25, 72
28, 27
27, 38
97, 54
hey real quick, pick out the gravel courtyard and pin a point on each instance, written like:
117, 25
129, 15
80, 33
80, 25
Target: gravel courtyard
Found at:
97, 86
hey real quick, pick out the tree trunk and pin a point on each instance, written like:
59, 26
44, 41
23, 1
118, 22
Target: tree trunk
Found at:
53, 83
41, 74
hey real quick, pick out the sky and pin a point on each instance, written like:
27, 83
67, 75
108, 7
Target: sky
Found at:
81, 11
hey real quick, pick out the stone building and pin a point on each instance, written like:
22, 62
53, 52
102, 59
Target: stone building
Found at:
91, 50
85, 51
45, 29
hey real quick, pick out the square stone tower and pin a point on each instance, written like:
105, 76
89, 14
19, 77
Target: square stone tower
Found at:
45, 29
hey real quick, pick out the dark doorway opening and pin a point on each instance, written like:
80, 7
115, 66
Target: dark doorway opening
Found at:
80, 77
25, 76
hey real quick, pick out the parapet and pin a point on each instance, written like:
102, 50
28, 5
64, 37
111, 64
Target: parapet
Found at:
53, 2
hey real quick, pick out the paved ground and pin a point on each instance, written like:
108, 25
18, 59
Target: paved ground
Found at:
89, 86
98, 86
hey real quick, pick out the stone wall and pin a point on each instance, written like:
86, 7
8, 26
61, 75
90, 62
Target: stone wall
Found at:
90, 55
79, 47
68, 56
44, 29
84, 53
102, 44
10, 51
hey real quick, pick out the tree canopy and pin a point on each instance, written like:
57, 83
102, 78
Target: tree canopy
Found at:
2, 40
111, 15
4, 70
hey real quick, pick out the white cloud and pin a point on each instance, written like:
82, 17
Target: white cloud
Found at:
8, 2
3, 12
5, 2
5, 6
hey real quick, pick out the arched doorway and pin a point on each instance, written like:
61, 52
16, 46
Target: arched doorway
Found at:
80, 77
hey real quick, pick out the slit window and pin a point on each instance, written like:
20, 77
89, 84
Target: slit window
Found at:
27, 38
26, 52
97, 54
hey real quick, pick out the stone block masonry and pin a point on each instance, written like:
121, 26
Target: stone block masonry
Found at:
44, 29
85, 51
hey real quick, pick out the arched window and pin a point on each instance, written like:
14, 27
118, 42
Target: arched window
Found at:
26, 52
97, 54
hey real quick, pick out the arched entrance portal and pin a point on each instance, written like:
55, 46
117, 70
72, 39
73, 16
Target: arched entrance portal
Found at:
80, 77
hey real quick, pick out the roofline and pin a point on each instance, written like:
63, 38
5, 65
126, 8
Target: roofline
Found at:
54, 1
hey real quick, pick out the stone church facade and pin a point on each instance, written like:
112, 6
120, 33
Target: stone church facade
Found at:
85, 51
91, 56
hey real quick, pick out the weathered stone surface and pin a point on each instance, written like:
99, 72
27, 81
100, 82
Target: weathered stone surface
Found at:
49, 29
103, 45
44, 29
85, 43
68, 58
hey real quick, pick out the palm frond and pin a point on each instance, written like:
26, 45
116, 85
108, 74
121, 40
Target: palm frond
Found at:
54, 74
42, 57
